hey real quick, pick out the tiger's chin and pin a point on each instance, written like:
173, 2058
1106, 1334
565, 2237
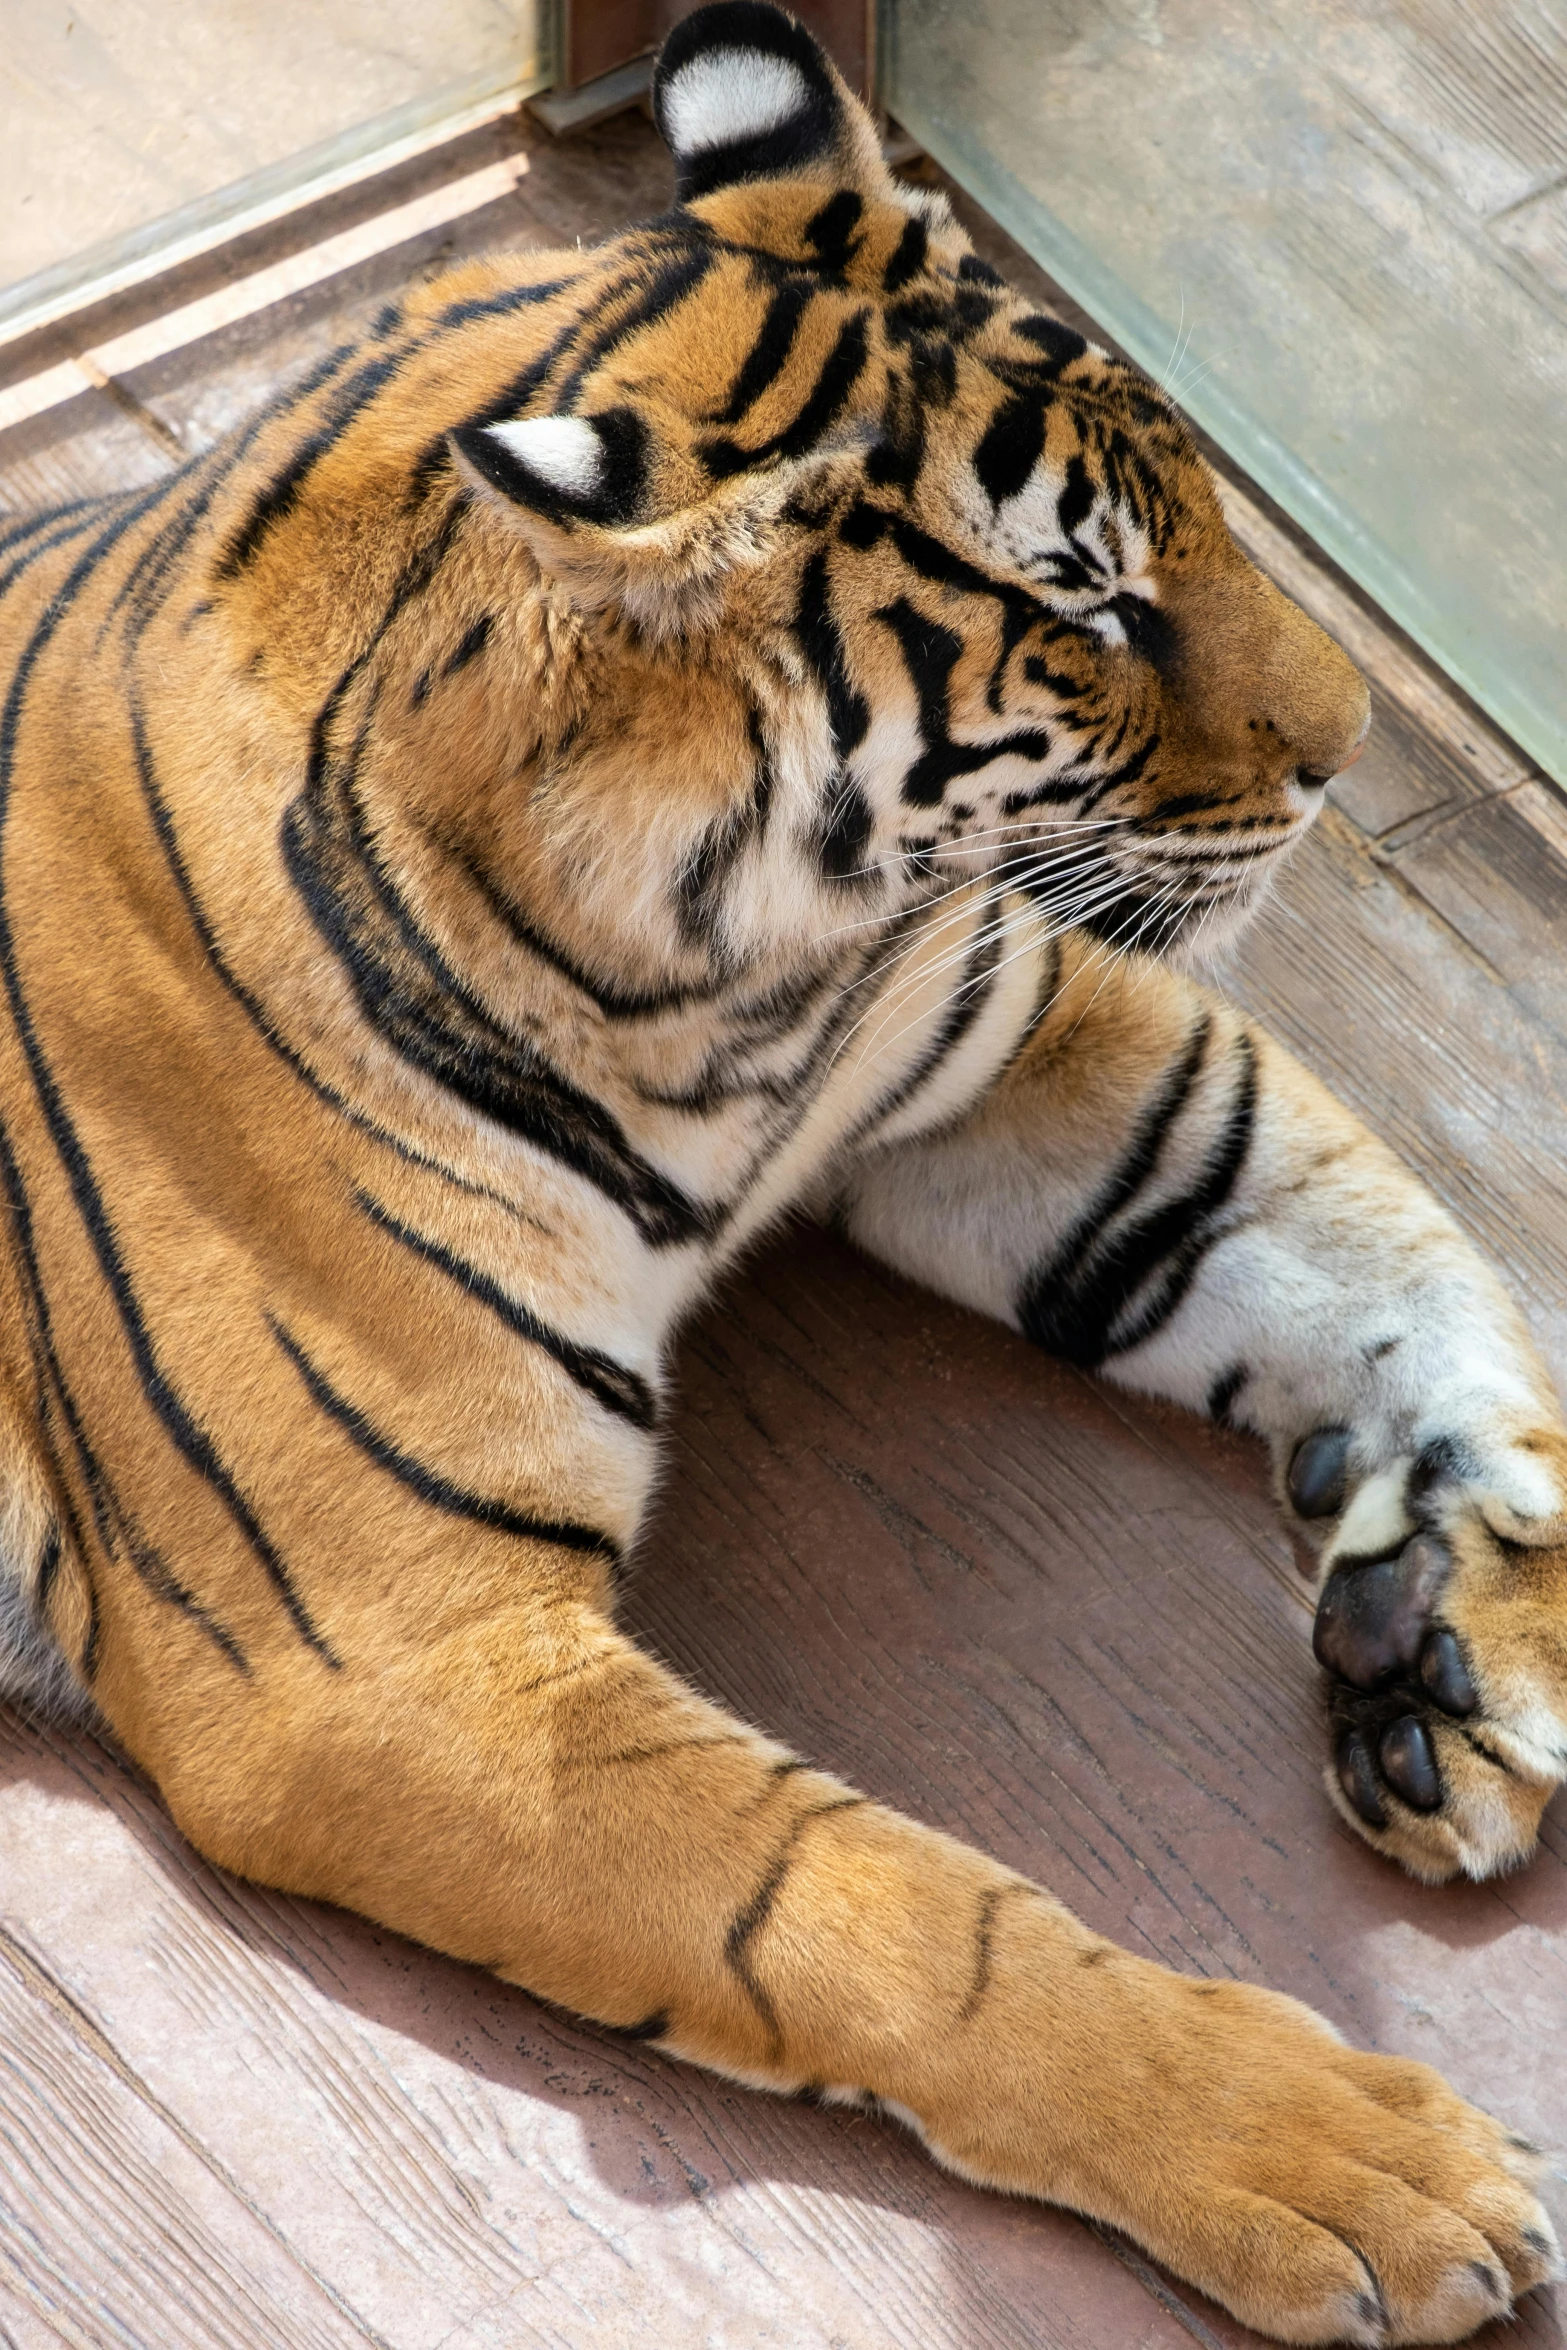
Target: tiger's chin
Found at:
1194, 935
1207, 942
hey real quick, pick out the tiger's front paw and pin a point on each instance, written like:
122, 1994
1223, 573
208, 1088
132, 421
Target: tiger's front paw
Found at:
1443, 1635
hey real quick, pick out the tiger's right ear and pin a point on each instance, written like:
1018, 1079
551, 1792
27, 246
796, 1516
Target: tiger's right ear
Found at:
742, 92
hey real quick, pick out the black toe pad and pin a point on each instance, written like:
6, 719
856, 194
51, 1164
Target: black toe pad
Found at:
1409, 1763
1319, 1473
1357, 1775
1445, 1677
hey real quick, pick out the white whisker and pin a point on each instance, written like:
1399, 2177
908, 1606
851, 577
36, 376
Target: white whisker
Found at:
1105, 949
1156, 905
1066, 849
1062, 911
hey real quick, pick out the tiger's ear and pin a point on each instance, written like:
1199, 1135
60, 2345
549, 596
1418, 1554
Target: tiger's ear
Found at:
616, 521
742, 92
565, 469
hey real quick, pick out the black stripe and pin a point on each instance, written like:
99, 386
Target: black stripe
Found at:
72, 1529
1091, 1318
474, 641
724, 1075
615, 1003
48, 1566
845, 832
192, 1440
984, 1951
26, 526
937, 562
1134, 923
412, 998
840, 372
930, 654
769, 354
763, 781
164, 1584
674, 279
141, 588
1056, 343
708, 870
1139, 1163
251, 1004
1012, 446
831, 230
118, 1530
898, 452
1221, 1395
935, 323
1045, 994
968, 999
1039, 672
908, 259
76, 527
50, 1383
281, 492
748, 1922
618, 1388
1128, 771
848, 711
428, 1484
652, 2027
1498, 1762
1016, 625
1077, 497
498, 305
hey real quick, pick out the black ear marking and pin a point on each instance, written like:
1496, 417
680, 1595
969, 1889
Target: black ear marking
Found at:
742, 92
565, 468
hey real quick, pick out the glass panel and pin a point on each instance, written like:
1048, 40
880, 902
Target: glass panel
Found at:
140, 131
1337, 229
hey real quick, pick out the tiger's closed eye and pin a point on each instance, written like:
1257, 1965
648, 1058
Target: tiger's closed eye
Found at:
1149, 631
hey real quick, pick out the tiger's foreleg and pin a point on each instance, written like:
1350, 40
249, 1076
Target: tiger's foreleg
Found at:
1155, 1190
529, 1791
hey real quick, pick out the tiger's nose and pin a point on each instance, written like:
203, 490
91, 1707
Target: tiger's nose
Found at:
1316, 778
1359, 747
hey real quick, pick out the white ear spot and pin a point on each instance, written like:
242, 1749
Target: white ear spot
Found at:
730, 95
564, 451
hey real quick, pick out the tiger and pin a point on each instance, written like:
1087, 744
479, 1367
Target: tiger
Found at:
748, 720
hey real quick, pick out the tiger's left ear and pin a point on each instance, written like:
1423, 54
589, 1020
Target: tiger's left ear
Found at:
566, 469
616, 520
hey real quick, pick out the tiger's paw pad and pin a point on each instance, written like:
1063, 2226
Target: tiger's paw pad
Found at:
1447, 1695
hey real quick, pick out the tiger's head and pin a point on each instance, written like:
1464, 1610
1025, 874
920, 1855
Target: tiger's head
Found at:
846, 570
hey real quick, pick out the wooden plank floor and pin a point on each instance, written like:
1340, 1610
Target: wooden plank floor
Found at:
1062, 1624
